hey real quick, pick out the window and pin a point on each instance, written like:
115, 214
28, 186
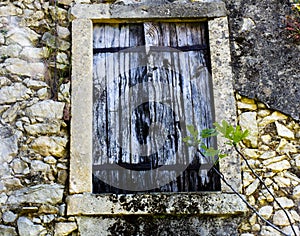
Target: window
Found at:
89, 17
150, 81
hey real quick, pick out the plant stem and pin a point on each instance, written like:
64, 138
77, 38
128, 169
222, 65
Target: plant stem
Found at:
247, 203
263, 183
243, 199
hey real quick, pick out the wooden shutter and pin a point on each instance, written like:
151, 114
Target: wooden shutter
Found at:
150, 78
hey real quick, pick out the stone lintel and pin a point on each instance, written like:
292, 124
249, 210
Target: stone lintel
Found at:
163, 203
135, 12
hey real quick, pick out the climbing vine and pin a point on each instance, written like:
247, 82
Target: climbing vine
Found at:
233, 136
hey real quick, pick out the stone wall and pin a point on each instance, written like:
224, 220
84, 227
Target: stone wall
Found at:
34, 98
272, 150
34, 125
265, 61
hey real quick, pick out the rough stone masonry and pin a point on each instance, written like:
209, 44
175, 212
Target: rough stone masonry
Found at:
34, 123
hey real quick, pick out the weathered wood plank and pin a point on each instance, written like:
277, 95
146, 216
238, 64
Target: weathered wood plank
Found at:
150, 96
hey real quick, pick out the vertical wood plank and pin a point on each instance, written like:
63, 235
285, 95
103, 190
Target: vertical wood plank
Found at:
181, 78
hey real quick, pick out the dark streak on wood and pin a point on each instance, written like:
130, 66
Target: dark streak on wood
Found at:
119, 50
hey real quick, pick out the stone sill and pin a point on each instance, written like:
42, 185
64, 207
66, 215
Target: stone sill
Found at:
215, 203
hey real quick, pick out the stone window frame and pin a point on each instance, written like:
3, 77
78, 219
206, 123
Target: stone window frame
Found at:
81, 200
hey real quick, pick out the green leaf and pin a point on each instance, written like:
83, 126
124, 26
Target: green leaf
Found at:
233, 134
186, 139
206, 133
222, 155
211, 152
192, 140
193, 131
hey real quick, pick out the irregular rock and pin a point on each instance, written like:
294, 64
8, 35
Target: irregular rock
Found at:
62, 58
266, 211
282, 182
268, 181
247, 25
32, 53
4, 82
248, 122
268, 155
62, 166
286, 147
62, 177
47, 218
275, 116
8, 145
9, 10
263, 113
2, 39
27, 227
3, 198
12, 50
247, 179
46, 109
37, 165
256, 227
20, 167
247, 106
252, 153
253, 220
5, 171
65, 2
35, 84
284, 131
19, 125
297, 160
9, 217
13, 93
11, 113
34, 18
22, 36
42, 93
12, 183
295, 215
4, 108
63, 229
252, 187
7, 231
22, 67
269, 231
63, 32
52, 127
47, 146
44, 194
48, 209
291, 176
288, 230
284, 202
273, 160
50, 160
53, 42
296, 192
266, 138
279, 166
281, 219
